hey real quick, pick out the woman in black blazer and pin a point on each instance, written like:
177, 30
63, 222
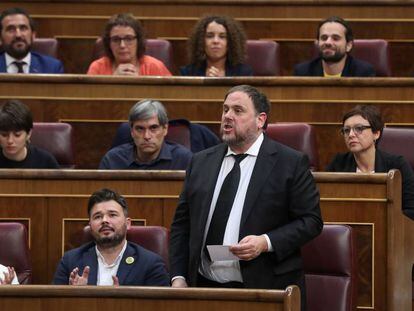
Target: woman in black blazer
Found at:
217, 48
362, 128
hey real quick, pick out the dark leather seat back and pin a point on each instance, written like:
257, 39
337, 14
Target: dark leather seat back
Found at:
46, 46
159, 48
264, 57
373, 51
299, 136
15, 250
399, 141
56, 138
331, 270
153, 238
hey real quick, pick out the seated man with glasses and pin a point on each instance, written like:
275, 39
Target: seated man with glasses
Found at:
124, 45
149, 150
362, 128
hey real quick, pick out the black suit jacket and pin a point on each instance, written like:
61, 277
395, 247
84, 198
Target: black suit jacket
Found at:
345, 162
147, 268
281, 201
231, 71
353, 68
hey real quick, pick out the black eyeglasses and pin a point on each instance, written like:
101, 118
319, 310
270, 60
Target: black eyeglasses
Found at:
128, 40
358, 129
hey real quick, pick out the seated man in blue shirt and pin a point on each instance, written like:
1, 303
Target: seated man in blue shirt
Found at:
17, 34
149, 150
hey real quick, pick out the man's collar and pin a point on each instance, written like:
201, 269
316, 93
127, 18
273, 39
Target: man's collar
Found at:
10, 60
165, 154
253, 150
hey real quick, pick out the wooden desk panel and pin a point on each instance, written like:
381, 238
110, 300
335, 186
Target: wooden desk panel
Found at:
256, 28
91, 298
371, 204
236, 8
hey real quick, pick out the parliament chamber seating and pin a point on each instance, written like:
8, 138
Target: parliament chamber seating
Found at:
299, 136
264, 57
56, 138
399, 141
374, 51
15, 250
153, 238
330, 265
158, 48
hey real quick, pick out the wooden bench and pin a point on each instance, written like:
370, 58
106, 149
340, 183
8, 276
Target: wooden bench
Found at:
93, 298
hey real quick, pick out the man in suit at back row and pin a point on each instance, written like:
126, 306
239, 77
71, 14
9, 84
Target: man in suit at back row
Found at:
335, 41
250, 193
17, 34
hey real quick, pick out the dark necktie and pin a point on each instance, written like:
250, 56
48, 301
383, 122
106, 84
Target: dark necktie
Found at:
19, 66
224, 204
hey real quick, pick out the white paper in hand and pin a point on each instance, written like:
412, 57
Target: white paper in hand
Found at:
221, 253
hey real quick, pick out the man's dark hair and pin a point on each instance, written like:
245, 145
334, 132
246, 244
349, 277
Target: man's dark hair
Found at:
15, 116
335, 19
260, 101
369, 113
124, 20
105, 195
15, 11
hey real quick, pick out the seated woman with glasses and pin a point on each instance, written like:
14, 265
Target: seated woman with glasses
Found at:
217, 48
362, 128
124, 45
7, 275
16, 124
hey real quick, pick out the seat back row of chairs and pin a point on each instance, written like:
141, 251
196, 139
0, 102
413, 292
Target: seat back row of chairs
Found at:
330, 279
262, 55
299, 136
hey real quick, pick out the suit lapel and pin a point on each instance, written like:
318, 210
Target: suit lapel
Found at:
3, 63
34, 64
263, 168
124, 268
89, 259
212, 166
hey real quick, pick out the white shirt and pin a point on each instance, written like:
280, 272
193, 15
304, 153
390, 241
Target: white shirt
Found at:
3, 269
227, 271
12, 68
105, 271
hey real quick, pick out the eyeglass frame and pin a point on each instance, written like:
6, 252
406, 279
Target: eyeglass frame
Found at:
128, 40
357, 129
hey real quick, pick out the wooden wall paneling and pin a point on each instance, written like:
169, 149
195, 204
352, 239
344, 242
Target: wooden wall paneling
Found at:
172, 26
188, 8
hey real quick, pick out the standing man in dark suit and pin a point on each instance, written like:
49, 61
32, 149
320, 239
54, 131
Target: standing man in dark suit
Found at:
110, 259
335, 41
17, 34
273, 211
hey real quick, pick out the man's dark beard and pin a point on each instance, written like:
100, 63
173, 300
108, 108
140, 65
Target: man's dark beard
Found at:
108, 242
335, 58
17, 53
